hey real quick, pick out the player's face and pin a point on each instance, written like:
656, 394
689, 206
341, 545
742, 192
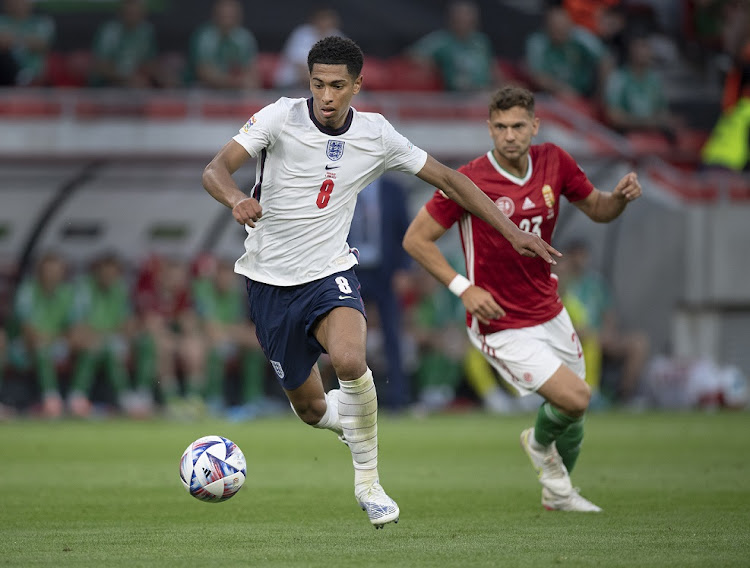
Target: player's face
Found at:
512, 131
332, 91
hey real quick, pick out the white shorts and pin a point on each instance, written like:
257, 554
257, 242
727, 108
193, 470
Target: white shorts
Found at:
527, 357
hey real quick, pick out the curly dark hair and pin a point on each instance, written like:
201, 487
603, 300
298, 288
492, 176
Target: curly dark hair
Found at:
334, 50
512, 96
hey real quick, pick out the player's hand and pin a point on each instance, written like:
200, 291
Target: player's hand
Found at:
529, 244
480, 303
628, 188
247, 211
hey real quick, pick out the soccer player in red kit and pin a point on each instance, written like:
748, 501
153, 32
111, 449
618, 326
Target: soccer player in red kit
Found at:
514, 314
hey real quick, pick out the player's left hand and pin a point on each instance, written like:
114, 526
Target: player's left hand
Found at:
628, 188
529, 244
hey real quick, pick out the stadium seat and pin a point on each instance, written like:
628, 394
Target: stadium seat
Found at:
267, 64
407, 75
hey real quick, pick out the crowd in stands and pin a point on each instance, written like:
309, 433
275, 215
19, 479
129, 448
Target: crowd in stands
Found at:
172, 336
604, 55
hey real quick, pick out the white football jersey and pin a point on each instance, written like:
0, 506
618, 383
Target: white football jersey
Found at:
307, 181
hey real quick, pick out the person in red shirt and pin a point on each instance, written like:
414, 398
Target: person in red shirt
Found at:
513, 312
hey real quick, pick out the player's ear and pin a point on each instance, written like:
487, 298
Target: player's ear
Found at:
535, 124
358, 84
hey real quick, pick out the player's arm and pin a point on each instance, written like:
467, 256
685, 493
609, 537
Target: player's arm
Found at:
218, 181
462, 190
602, 206
420, 243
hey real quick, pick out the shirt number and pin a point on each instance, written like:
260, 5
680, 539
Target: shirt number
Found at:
325, 194
531, 225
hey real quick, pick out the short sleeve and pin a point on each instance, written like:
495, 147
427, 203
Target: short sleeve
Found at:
400, 154
444, 210
263, 128
576, 185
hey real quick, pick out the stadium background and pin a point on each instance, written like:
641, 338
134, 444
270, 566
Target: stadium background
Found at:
90, 170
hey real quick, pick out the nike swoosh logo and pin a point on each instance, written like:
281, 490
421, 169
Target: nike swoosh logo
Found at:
347, 298
331, 167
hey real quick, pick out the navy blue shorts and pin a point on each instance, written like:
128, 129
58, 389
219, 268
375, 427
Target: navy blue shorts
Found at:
285, 316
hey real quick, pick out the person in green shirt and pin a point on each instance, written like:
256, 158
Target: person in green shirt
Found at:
564, 59
462, 53
634, 93
125, 49
101, 333
27, 38
221, 304
43, 310
436, 323
628, 348
223, 53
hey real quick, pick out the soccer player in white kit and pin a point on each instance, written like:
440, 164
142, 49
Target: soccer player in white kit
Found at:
314, 156
514, 314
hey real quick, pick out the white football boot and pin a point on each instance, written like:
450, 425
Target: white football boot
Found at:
380, 508
549, 466
573, 502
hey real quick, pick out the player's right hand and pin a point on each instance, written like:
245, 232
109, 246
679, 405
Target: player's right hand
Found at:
529, 244
247, 211
480, 303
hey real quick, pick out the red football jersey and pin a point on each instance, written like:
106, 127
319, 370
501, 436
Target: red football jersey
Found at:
522, 286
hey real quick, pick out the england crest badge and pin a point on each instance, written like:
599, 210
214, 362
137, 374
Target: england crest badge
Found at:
335, 150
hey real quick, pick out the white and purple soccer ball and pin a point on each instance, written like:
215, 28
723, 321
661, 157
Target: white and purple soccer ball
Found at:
213, 469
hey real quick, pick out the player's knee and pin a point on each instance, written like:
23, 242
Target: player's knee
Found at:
311, 412
349, 364
580, 399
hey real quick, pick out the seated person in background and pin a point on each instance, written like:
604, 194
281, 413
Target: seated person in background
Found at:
221, 304
629, 349
588, 13
222, 52
125, 49
43, 313
24, 42
6, 412
435, 323
462, 53
634, 95
170, 337
101, 334
292, 70
565, 59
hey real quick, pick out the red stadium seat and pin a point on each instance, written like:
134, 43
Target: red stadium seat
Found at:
409, 75
267, 64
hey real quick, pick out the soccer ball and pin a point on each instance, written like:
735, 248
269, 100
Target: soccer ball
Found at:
212, 469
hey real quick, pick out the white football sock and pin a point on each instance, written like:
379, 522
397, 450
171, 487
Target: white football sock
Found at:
358, 412
330, 420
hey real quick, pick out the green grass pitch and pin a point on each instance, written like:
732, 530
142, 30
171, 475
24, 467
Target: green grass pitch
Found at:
675, 489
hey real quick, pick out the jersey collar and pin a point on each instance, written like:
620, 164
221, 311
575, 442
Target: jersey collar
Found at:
507, 175
330, 131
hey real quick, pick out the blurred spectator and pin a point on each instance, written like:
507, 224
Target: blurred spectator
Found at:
436, 324
462, 53
565, 59
379, 224
25, 39
629, 349
292, 70
6, 411
170, 337
634, 94
588, 13
222, 52
221, 304
101, 335
705, 23
729, 143
125, 49
43, 313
